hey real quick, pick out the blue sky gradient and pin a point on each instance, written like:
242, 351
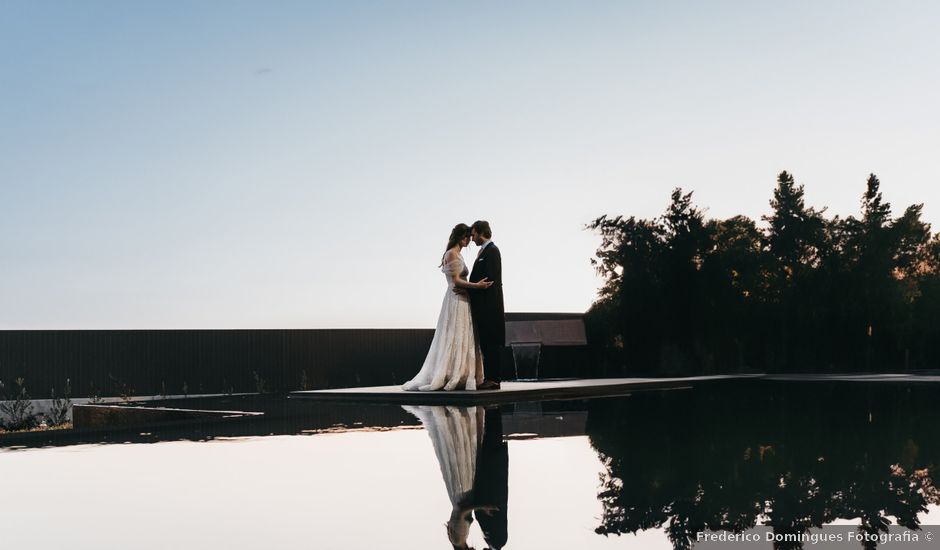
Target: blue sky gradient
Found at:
237, 164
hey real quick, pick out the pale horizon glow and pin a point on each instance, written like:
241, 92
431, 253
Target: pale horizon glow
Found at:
300, 165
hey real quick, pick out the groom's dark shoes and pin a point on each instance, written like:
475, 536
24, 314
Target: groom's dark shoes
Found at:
488, 385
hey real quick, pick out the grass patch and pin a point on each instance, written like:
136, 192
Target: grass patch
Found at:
40, 428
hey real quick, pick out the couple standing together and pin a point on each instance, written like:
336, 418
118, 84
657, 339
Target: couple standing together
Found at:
471, 329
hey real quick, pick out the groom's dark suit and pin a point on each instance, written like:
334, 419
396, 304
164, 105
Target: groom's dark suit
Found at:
491, 482
486, 306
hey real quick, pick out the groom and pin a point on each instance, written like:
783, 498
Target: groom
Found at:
491, 481
486, 304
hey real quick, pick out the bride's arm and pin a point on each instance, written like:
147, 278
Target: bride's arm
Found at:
459, 282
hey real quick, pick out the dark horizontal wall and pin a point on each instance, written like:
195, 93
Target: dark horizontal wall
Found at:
148, 362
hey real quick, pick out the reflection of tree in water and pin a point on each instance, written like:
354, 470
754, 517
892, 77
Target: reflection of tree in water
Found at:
788, 456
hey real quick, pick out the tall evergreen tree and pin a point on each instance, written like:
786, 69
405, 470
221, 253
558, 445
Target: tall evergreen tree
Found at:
796, 232
794, 239
687, 241
875, 212
870, 261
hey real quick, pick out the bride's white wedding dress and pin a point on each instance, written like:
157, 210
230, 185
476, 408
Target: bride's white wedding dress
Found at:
456, 434
454, 360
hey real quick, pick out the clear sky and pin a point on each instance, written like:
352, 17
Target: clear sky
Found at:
224, 164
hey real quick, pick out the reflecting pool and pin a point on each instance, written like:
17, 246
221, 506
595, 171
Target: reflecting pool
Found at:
649, 470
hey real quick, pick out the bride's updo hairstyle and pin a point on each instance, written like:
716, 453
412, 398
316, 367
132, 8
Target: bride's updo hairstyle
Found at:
460, 232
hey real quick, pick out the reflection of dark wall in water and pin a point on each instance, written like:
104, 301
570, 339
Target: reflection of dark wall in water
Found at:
722, 455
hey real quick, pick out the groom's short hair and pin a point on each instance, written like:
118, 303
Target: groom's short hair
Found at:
483, 228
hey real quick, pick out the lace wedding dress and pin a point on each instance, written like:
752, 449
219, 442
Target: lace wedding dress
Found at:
454, 360
456, 434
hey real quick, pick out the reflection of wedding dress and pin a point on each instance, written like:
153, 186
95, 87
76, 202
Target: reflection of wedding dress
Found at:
456, 433
474, 461
454, 360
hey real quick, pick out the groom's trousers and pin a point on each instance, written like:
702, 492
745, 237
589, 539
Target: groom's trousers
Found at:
491, 483
490, 321
492, 347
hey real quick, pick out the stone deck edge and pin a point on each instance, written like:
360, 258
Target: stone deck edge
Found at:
551, 390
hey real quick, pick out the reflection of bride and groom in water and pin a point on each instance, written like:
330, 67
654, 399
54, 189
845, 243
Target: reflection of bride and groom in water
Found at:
727, 457
474, 460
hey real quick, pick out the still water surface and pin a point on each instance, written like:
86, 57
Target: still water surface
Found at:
584, 474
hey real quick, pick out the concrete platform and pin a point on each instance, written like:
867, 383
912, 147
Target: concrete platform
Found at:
512, 391
95, 416
856, 377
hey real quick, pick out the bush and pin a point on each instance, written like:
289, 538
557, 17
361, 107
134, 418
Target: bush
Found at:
59, 413
17, 412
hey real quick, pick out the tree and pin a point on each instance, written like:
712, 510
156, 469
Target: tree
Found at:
684, 294
625, 316
734, 290
795, 234
795, 237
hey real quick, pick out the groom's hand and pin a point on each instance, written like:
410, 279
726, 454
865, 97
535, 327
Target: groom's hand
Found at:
458, 290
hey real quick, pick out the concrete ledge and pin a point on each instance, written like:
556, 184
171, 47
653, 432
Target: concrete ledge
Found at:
512, 392
855, 377
123, 416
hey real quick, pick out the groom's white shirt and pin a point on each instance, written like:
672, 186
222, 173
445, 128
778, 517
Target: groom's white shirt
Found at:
484, 245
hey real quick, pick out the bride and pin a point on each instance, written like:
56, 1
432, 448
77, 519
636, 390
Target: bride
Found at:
454, 360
